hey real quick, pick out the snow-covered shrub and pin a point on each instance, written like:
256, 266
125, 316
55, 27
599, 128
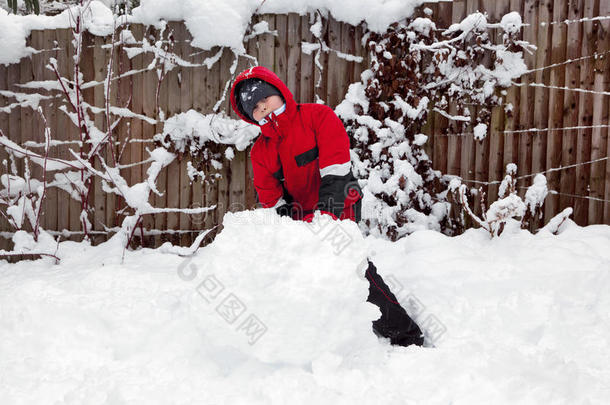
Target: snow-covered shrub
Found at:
206, 140
534, 199
415, 70
509, 210
23, 197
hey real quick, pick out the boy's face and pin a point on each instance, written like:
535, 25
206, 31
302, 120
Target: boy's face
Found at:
265, 106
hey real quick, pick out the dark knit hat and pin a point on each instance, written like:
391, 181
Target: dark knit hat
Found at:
251, 91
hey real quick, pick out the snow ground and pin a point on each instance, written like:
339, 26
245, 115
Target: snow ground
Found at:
517, 319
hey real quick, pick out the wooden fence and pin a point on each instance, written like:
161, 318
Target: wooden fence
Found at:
566, 154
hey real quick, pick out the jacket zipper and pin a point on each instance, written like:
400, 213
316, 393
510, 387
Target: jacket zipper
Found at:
275, 126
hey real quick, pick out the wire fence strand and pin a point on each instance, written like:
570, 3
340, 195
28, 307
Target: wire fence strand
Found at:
554, 169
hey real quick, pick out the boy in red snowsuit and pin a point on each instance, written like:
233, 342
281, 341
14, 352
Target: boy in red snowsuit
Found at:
301, 163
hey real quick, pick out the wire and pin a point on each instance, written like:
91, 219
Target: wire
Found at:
581, 20
518, 131
555, 169
595, 55
577, 196
603, 93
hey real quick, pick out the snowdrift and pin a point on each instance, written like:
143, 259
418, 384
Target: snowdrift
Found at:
268, 291
274, 311
298, 281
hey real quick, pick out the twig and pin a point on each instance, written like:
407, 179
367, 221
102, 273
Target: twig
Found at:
10, 221
9, 254
47, 137
132, 233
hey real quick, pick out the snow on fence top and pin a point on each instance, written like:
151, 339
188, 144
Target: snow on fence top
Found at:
210, 22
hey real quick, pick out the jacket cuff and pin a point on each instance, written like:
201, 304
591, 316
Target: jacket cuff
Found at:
333, 191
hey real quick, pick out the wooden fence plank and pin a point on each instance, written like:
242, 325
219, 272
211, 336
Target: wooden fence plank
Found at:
121, 90
5, 242
281, 56
348, 46
321, 74
38, 62
607, 184
441, 149
198, 78
474, 153
511, 120
173, 170
250, 192
127, 132
126, 98
26, 132
489, 153
73, 134
148, 105
100, 61
186, 103
599, 136
293, 46
213, 87
88, 68
526, 116
541, 111
570, 105
110, 151
4, 101
161, 112
50, 210
136, 147
139, 61
458, 12
479, 164
360, 50
473, 6
336, 66
63, 123
224, 194
238, 186
428, 128
555, 103
585, 116
266, 45
37, 126
307, 83
14, 119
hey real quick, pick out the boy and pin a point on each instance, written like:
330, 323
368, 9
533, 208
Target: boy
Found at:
301, 163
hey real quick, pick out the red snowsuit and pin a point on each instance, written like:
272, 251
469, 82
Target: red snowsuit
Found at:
302, 157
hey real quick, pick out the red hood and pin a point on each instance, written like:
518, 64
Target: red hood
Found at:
267, 75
